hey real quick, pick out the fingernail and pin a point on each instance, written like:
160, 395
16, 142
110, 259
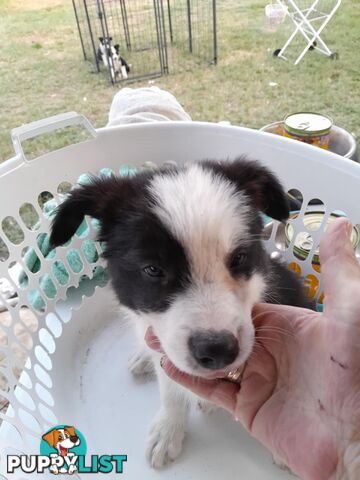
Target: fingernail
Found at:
162, 360
344, 228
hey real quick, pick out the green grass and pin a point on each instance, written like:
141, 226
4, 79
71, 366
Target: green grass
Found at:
42, 72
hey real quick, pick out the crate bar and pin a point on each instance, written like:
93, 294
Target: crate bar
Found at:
105, 32
170, 21
163, 30
102, 16
188, 9
147, 76
158, 34
215, 47
91, 36
79, 30
125, 24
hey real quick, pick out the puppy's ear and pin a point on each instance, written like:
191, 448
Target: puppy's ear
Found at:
102, 198
117, 48
260, 184
101, 39
50, 438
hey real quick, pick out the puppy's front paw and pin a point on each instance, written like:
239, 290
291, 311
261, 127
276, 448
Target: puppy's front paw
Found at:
141, 365
165, 439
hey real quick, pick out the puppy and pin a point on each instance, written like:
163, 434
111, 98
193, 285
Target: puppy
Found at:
185, 256
109, 55
123, 68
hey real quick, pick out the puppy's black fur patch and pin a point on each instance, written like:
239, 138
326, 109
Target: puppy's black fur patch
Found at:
137, 241
134, 239
285, 288
262, 186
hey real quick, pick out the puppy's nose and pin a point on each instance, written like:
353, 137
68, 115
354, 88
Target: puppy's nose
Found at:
213, 349
74, 438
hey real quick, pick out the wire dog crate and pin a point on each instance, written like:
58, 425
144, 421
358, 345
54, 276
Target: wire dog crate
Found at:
137, 39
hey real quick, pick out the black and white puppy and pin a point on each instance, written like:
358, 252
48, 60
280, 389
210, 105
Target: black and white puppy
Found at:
109, 55
185, 256
121, 60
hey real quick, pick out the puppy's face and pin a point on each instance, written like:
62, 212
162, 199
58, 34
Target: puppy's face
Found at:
105, 40
184, 252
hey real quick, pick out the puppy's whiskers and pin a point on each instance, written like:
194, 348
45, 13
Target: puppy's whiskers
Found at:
274, 329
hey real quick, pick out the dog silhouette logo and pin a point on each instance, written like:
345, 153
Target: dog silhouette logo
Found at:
63, 444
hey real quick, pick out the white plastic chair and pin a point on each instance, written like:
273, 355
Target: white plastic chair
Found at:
309, 17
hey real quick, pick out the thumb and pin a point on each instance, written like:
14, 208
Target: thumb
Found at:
340, 270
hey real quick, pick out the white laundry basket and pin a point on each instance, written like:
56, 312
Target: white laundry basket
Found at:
76, 345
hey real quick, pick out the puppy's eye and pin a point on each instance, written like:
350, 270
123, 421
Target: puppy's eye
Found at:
238, 260
153, 271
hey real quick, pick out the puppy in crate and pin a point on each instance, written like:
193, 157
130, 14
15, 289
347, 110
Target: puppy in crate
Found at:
185, 256
109, 55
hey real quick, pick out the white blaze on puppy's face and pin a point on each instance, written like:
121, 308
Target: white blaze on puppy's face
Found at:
209, 218
204, 212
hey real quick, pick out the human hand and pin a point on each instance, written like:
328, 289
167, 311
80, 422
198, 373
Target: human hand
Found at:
300, 389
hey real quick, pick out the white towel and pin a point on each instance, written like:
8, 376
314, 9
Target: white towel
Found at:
149, 104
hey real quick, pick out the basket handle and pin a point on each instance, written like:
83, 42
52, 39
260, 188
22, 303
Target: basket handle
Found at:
46, 125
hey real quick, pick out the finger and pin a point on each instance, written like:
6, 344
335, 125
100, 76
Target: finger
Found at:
152, 341
340, 269
257, 386
221, 392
